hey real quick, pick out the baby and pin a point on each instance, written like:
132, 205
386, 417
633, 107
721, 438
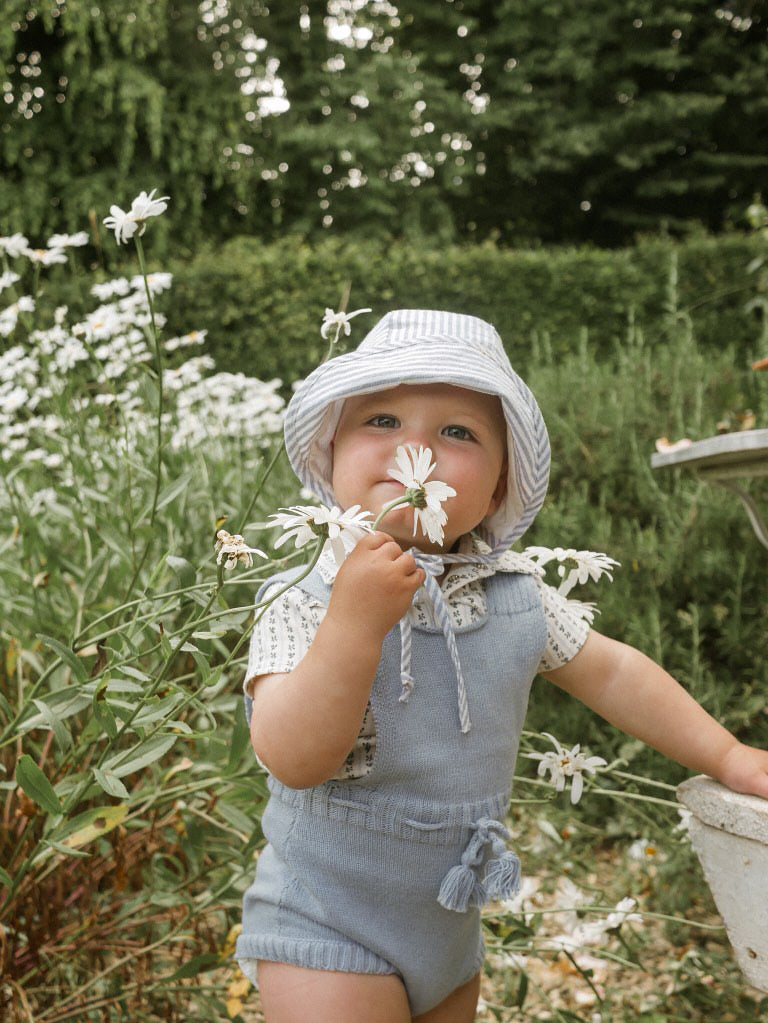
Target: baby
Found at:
388, 696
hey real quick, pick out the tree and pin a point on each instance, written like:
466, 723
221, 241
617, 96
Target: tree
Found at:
103, 101
608, 119
559, 121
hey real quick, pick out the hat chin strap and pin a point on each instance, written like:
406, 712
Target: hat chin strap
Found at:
434, 566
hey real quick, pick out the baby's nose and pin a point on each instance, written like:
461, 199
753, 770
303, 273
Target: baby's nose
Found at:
418, 437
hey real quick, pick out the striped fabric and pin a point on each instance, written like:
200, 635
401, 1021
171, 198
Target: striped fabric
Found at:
426, 346
422, 346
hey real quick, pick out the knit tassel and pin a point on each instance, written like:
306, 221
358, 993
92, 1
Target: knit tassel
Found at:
502, 876
458, 888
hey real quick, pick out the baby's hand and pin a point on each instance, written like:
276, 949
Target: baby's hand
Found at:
375, 585
745, 769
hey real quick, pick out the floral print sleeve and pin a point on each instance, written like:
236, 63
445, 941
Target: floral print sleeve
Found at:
283, 634
567, 627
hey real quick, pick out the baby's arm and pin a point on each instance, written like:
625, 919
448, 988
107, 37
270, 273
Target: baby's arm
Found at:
306, 721
636, 695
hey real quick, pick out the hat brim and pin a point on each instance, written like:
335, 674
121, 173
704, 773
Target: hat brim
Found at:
313, 414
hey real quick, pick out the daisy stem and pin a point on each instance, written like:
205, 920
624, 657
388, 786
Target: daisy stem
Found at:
257, 490
159, 372
388, 508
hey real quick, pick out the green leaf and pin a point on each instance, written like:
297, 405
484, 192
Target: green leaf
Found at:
5, 878
144, 754
49, 846
236, 818
103, 714
67, 656
126, 669
173, 490
165, 646
185, 570
63, 704
36, 785
196, 965
89, 825
110, 783
54, 722
239, 741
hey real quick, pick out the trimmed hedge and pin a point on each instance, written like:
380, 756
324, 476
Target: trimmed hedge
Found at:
263, 305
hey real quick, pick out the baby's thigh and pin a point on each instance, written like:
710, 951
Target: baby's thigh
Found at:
294, 994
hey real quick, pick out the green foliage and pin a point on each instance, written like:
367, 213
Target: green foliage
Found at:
690, 590
261, 304
129, 791
568, 121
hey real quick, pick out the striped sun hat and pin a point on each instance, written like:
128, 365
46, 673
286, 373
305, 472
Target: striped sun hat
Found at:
425, 346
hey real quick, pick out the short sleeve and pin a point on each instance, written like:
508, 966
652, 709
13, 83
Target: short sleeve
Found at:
283, 634
567, 627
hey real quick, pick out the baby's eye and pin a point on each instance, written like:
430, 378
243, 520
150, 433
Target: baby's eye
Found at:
384, 421
458, 433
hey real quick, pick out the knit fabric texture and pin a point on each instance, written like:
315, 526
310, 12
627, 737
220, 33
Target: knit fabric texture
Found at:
388, 873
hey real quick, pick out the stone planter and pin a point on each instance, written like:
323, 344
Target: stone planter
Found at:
729, 832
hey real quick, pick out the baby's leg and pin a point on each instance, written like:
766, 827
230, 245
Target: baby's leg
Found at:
459, 1007
293, 994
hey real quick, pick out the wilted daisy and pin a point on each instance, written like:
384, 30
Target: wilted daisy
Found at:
579, 565
231, 548
338, 321
412, 470
305, 523
564, 764
127, 224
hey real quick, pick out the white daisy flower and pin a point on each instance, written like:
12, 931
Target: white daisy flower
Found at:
564, 764
124, 226
580, 565
144, 206
118, 286
14, 245
64, 241
304, 523
7, 279
127, 224
46, 257
412, 470
339, 321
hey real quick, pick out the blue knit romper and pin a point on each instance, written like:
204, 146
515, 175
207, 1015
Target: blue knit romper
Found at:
387, 873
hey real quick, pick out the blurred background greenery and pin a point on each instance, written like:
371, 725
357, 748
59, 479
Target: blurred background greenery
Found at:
576, 121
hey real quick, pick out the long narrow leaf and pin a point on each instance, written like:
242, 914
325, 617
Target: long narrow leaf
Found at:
36, 785
141, 756
67, 656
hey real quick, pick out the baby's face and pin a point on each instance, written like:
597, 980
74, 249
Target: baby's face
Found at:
466, 432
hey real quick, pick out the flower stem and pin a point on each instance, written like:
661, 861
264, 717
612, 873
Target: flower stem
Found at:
405, 499
159, 372
262, 481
